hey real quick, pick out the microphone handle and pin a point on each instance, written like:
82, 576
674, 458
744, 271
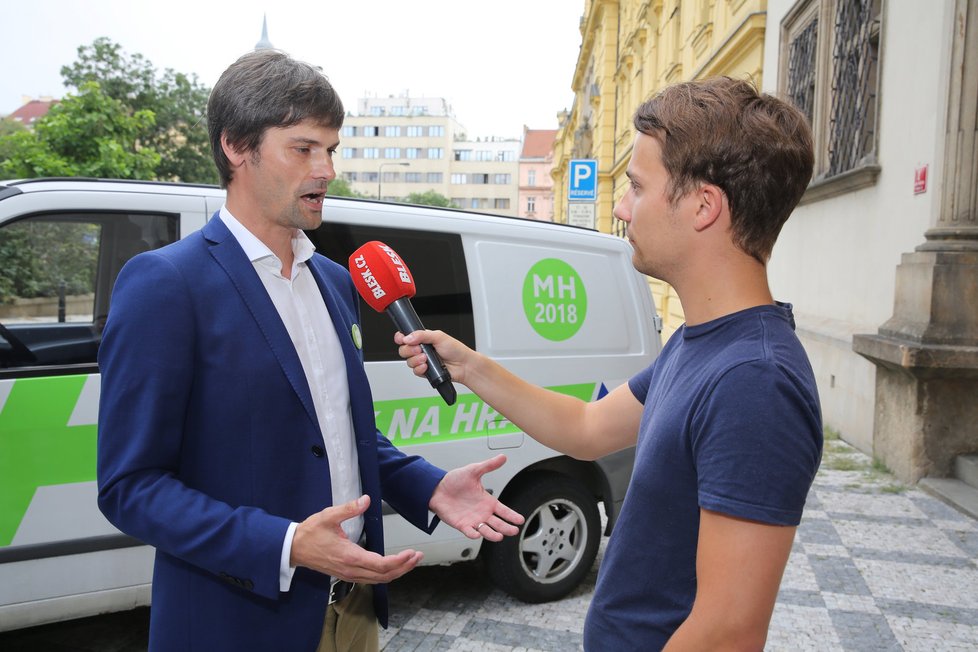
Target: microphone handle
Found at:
407, 321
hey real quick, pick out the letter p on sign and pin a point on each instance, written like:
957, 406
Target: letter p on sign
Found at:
583, 180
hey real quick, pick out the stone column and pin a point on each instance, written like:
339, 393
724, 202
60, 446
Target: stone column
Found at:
927, 353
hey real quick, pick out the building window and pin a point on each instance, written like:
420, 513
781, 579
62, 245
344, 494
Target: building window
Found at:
412, 152
531, 177
506, 155
435, 152
398, 110
483, 155
829, 69
369, 177
392, 152
349, 152
434, 177
501, 203
376, 110
414, 131
475, 202
349, 130
392, 131
436, 130
458, 178
412, 177
463, 155
370, 131
349, 176
479, 178
371, 152
502, 179
531, 205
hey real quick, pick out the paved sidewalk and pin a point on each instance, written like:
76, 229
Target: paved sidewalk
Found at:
876, 566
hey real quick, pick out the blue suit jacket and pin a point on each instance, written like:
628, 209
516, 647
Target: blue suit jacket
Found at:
209, 445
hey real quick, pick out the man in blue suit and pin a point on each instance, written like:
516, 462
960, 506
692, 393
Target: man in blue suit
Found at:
236, 428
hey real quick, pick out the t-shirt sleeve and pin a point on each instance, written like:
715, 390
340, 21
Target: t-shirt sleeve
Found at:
640, 383
757, 443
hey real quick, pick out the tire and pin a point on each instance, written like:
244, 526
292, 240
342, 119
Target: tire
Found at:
556, 546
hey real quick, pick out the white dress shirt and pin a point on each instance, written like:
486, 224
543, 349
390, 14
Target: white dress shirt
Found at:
303, 311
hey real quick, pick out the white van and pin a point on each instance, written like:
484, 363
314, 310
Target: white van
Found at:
560, 306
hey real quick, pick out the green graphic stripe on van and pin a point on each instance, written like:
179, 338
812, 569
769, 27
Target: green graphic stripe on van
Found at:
407, 422
38, 447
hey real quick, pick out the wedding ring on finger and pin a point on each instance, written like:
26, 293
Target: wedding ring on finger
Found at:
479, 526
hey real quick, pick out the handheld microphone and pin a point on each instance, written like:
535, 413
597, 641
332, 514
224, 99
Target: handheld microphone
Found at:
384, 282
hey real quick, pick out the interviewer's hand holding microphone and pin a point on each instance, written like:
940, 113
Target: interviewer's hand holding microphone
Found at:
383, 280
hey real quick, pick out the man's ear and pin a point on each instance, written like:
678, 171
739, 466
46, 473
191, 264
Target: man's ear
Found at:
712, 202
235, 157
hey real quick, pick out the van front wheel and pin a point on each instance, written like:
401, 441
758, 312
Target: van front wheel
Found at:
556, 546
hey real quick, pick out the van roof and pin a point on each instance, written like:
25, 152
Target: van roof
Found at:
41, 184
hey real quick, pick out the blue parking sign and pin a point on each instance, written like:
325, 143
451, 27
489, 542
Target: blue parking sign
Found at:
582, 183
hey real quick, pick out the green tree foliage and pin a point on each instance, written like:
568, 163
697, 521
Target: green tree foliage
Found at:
177, 100
429, 198
8, 127
341, 188
42, 258
89, 135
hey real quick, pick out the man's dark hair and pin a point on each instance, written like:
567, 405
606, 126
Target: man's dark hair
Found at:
262, 90
753, 146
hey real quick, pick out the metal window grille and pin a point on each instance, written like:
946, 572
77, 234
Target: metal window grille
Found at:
802, 69
854, 72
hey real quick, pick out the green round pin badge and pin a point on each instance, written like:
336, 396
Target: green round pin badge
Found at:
357, 339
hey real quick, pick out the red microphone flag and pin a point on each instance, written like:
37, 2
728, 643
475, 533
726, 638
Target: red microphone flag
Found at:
380, 276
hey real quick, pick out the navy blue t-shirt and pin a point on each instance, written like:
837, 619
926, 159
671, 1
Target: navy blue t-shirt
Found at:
731, 424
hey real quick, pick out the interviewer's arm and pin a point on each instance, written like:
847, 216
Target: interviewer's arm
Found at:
739, 564
577, 428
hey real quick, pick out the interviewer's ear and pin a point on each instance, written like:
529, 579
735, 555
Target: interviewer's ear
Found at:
711, 204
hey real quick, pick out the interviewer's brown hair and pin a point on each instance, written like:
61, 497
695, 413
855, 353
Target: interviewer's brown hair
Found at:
753, 146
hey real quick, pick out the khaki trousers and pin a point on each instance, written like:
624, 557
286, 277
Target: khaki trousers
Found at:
351, 624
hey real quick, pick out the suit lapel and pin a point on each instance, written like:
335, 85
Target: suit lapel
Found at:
240, 271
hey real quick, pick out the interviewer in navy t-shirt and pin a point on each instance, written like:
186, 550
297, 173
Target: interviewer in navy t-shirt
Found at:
726, 421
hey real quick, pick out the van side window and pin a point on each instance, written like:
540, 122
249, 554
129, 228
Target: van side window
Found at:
437, 262
56, 281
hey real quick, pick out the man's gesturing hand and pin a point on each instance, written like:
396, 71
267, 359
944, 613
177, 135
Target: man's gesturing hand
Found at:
320, 544
461, 501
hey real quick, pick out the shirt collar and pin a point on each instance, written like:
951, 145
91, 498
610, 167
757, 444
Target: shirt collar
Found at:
255, 249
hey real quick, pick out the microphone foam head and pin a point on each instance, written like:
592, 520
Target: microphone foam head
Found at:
380, 276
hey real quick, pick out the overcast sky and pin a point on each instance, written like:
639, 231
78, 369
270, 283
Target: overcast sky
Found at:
500, 64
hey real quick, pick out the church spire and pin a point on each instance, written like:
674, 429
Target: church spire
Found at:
264, 43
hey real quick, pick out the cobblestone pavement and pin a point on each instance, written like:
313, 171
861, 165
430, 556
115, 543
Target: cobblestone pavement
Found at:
876, 566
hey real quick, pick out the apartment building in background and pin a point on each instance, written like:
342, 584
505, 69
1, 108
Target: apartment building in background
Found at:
398, 145
536, 186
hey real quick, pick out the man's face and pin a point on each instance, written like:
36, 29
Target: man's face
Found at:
286, 177
654, 224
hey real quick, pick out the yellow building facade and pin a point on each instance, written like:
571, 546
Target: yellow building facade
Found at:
629, 50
